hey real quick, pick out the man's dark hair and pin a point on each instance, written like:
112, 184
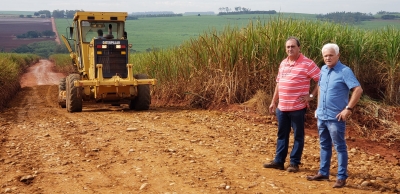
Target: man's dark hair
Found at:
100, 32
294, 38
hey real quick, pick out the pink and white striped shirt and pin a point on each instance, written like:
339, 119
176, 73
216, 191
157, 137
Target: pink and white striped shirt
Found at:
294, 82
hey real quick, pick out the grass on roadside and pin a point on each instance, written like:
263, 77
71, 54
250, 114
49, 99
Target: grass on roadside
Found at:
12, 66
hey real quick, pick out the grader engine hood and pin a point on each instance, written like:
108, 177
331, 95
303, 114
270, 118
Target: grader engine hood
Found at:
113, 55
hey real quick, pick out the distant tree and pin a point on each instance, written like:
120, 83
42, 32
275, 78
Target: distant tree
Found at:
32, 34
70, 13
21, 36
58, 13
21, 16
29, 16
64, 13
246, 9
43, 51
48, 33
61, 49
36, 14
43, 48
388, 17
23, 49
47, 13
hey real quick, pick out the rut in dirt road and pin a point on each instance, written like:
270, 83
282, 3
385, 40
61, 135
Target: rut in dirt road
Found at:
41, 74
108, 149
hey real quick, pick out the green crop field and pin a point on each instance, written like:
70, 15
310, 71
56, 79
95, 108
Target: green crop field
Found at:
378, 24
166, 32
17, 13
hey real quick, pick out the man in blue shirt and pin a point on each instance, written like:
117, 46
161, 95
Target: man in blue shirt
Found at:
334, 108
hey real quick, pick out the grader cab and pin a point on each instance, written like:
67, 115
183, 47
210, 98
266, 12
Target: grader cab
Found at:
103, 72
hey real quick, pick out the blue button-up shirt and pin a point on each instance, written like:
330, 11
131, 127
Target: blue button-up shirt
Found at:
334, 89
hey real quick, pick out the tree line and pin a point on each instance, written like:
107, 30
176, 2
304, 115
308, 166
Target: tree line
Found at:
36, 34
242, 10
42, 48
64, 13
387, 12
346, 17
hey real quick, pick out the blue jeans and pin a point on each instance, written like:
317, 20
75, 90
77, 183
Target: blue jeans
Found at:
287, 120
332, 131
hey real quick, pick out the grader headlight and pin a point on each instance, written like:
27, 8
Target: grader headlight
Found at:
120, 46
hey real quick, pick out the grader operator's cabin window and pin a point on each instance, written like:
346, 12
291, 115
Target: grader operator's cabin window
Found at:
89, 29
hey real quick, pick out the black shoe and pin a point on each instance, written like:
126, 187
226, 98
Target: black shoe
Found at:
274, 165
318, 177
339, 183
293, 168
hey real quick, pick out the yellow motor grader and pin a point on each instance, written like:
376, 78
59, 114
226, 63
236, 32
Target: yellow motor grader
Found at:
103, 72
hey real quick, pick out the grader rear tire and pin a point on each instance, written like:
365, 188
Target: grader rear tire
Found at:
74, 96
143, 99
62, 85
61, 88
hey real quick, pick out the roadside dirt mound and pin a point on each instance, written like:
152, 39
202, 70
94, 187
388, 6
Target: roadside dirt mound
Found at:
107, 149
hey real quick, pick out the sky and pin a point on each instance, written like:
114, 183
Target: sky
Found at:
182, 6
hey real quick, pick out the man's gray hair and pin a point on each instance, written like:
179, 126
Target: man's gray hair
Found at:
331, 46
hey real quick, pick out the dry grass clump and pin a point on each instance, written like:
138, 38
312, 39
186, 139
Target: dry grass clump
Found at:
259, 102
376, 121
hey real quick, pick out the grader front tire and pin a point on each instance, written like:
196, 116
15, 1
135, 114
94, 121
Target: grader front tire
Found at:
143, 98
74, 96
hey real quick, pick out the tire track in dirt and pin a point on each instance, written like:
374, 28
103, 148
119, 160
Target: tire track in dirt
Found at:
74, 128
40, 150
53, 147
40, 74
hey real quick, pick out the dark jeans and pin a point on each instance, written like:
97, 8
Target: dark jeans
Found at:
286, 121
333, 132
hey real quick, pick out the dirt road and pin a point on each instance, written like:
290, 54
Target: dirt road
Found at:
105, 149
54, 27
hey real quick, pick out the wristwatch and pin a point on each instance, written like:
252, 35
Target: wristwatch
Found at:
311, 96
348, 108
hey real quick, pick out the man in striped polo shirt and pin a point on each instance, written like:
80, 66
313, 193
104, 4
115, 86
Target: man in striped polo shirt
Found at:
292, 92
